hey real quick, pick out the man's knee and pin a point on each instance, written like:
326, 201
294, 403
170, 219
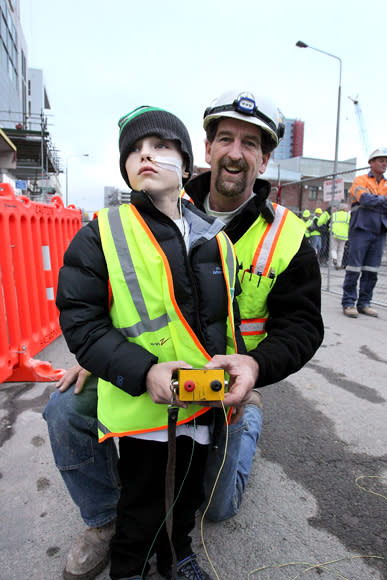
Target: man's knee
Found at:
65, 408
55, 410
221, 511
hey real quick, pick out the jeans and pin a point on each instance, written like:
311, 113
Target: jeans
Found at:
89, 468
315, 242
242, 443
364, 259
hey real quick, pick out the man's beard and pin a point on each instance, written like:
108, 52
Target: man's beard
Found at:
231, 188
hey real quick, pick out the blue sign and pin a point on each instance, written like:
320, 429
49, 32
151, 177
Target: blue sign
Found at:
20, 184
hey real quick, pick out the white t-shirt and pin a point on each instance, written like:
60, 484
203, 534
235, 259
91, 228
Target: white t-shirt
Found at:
225, 216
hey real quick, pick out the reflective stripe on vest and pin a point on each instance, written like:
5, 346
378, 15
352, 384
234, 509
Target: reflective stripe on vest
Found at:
264, 253
145, 324
142, 286
253, 326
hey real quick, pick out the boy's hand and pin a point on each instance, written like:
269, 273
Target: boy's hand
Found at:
75, 373
158, 381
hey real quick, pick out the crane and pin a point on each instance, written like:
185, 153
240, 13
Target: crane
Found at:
361, 125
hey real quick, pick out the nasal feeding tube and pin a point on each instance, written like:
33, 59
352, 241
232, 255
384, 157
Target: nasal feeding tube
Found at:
172, 164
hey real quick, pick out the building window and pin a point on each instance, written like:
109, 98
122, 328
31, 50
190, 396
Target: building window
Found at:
8, 39
313, 192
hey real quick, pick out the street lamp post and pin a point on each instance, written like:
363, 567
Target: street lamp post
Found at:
67, 173
302, 44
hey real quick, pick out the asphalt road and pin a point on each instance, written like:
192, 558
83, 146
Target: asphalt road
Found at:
317, 493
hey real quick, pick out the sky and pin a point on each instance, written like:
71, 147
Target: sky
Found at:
102, 59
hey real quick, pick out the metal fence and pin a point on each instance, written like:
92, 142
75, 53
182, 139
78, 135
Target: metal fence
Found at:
332, 279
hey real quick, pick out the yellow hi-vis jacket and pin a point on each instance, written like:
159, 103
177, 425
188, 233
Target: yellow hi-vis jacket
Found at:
340, 224
144, 308
264, 252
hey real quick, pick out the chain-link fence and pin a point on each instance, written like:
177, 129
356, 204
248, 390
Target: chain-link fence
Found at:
332, 278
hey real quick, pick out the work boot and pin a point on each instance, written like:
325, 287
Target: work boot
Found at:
187, 569
350, 311
368, 311
255, 398
89, 553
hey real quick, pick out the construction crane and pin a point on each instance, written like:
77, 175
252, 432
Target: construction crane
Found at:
361, 126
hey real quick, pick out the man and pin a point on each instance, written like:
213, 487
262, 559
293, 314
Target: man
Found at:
307, 221
323, 223
340, 227
281, 325
314, 230
367, 234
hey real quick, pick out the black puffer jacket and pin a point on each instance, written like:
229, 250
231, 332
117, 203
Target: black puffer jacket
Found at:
83, 299
294, 328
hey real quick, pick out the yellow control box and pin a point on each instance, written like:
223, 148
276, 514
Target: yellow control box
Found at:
200, 384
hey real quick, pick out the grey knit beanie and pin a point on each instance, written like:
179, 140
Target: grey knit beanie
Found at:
146, 121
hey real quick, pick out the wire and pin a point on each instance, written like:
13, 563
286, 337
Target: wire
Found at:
369, 490
323, 565
175, 500
211, 496
319, 566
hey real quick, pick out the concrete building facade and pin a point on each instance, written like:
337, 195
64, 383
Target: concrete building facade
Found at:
28, 159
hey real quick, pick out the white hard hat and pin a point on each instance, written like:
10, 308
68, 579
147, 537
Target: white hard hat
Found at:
381, 152
246, 106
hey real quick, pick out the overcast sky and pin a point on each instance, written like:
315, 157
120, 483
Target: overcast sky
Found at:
102, 59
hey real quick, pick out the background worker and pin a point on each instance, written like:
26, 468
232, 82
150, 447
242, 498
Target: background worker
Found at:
367, 235
314, 231
340, 226
282, 331
323, 223
307, 221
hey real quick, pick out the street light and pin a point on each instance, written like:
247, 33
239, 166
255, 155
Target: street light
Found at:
301, 44
67, 174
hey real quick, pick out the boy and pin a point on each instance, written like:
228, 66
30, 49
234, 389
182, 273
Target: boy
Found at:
145, 290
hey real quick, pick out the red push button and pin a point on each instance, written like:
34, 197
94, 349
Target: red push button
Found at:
189, 386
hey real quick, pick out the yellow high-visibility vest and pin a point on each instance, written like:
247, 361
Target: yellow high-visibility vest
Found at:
264, 252
145, 310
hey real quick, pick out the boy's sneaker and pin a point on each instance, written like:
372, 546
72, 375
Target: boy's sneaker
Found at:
188, 569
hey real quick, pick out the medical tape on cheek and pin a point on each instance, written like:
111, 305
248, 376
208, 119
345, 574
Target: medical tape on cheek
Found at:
172, 164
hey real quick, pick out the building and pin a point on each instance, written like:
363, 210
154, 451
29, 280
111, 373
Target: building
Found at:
292, 143
28, 159
303, 181
112, 196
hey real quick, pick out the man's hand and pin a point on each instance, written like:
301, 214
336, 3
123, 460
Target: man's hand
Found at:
243, 371
158, 381
75, 373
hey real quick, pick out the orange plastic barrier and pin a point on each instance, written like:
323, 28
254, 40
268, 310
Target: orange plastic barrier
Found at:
33, 239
